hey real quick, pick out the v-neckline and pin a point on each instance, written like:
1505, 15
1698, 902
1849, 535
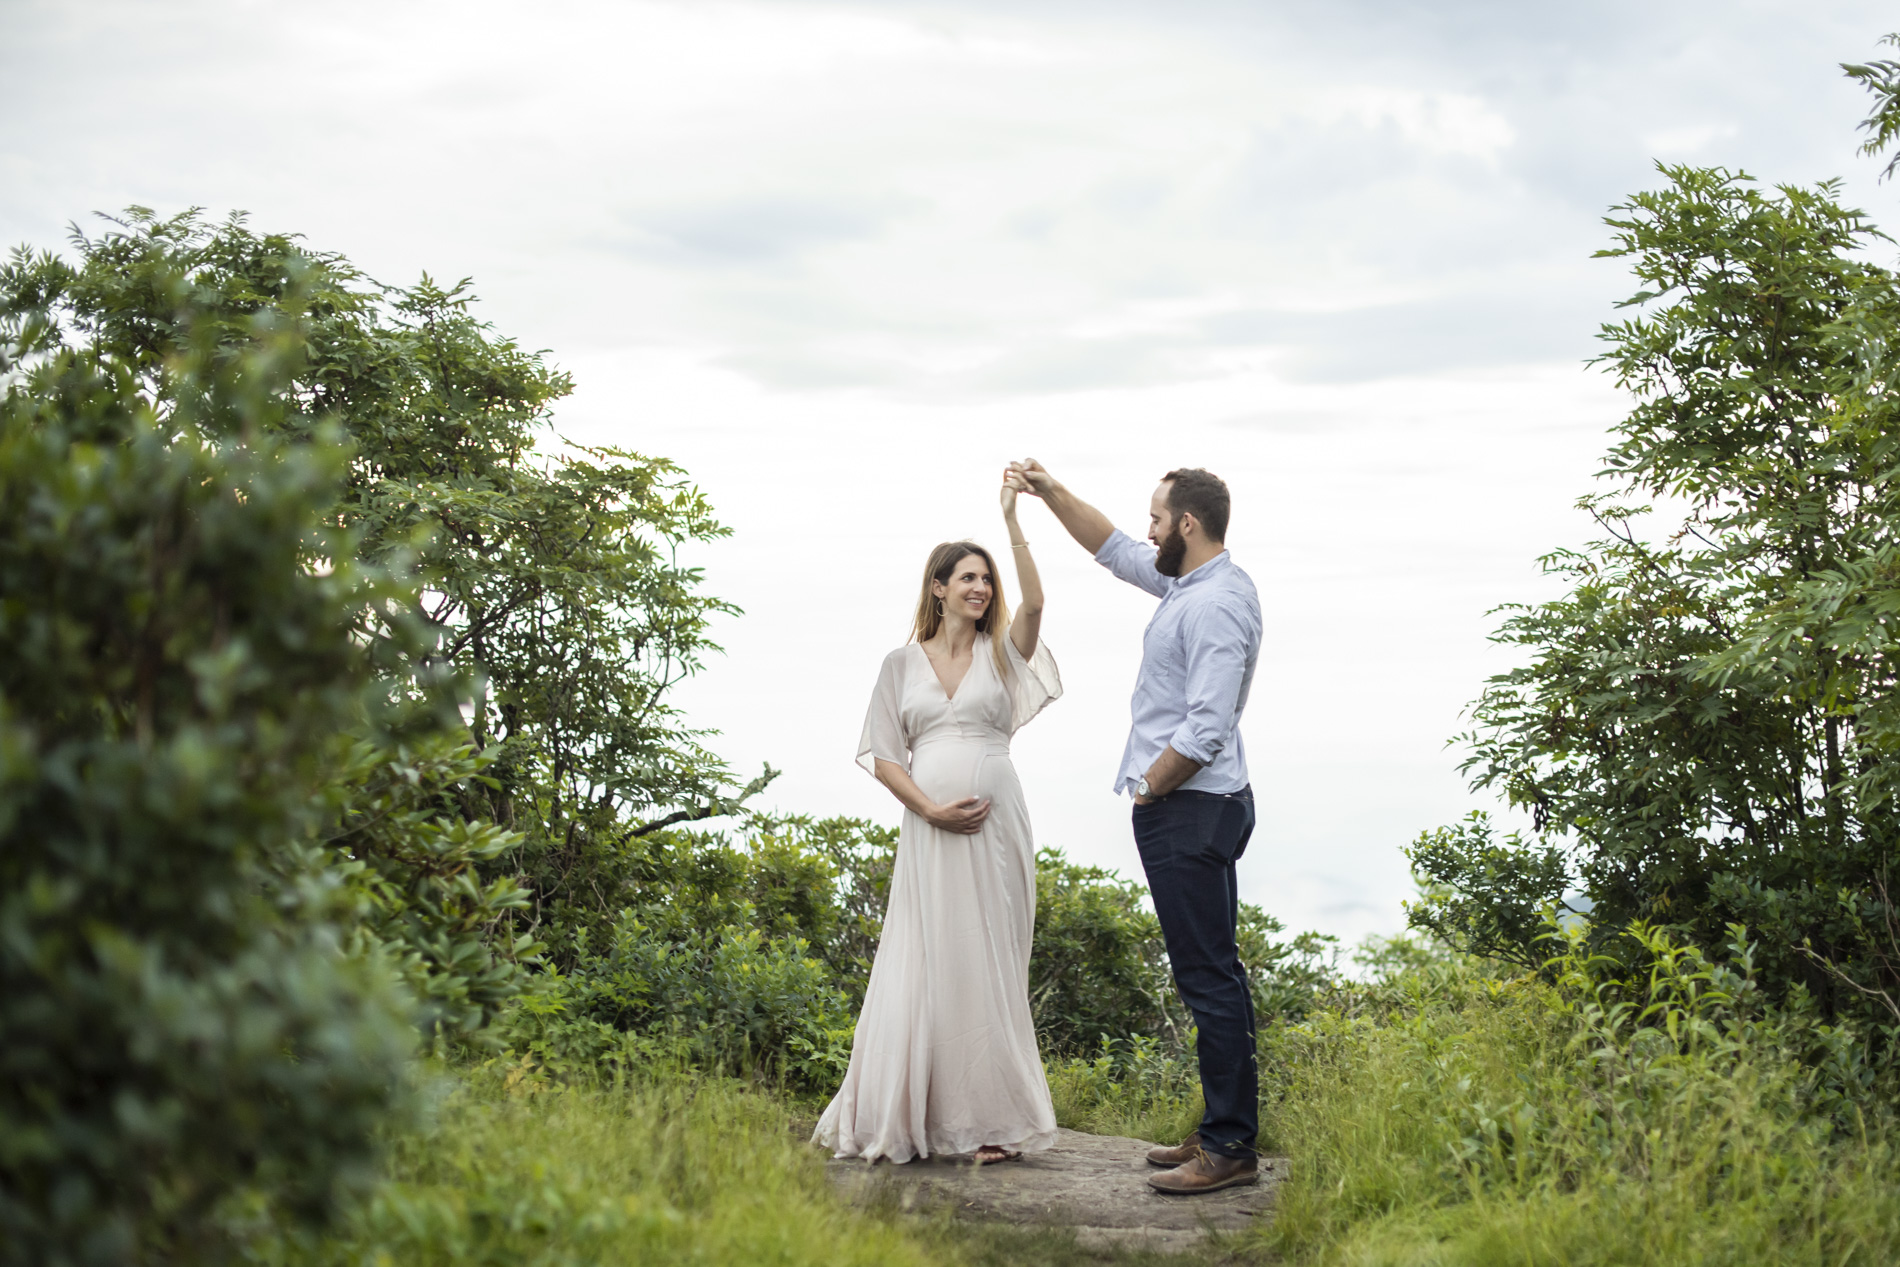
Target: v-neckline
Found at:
949, 696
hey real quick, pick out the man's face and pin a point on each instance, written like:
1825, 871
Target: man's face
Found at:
1164, 529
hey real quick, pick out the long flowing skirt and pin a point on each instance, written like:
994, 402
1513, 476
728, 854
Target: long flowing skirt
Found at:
945, 1058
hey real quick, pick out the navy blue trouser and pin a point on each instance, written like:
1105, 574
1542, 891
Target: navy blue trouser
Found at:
1189, 843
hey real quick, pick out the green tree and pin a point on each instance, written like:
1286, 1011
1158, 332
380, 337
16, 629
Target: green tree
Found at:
549, 571
176, 1021
1704, 728
1881, 78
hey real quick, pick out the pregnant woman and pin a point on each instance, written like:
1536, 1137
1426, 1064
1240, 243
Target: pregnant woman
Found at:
944, 1059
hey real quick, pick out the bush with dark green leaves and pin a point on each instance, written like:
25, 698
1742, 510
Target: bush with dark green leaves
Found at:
1490, 897
749, 958
178, 652
1099, 970
405, 832
752, 957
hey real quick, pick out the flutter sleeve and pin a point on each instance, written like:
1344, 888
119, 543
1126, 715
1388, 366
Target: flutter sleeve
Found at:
883, 738
1033, 683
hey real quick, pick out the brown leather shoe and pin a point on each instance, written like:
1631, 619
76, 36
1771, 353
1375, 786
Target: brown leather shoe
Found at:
1207, 1172
1169, 1158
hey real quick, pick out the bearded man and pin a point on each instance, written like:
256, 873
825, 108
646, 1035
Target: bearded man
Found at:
1186, 768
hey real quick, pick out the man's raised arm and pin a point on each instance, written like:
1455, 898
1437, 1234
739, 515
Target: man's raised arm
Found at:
1089, 526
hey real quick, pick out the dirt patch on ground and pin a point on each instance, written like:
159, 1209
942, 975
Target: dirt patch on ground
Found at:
1096, 1184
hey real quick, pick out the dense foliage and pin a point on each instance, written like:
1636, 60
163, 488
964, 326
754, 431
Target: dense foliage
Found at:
178, 1023
267, 527
1705, 728
1099, 973
550, 597
402, 821
752, 958
749, 958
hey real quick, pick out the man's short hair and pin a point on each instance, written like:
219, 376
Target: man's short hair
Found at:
1202, 494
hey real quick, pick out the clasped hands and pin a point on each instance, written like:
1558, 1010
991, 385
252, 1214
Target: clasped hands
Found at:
1026, 476
1013, 483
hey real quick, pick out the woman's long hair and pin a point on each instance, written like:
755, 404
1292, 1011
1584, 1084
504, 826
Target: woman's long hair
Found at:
995, 621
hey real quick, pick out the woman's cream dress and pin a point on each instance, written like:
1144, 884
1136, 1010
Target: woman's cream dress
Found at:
944, 1059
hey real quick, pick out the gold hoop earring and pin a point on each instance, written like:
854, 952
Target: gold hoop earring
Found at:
940, 607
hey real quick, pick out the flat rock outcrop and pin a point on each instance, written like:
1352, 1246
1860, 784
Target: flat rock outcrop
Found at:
1096, 1184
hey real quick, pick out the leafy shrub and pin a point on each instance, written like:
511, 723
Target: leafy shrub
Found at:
1487, 897
861, 855
414, 851
744, 958
1290, 977
825, 881
752, 957
178, 1020
1099, 971
725, 999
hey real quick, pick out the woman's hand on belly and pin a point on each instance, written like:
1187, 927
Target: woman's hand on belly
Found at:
964, 817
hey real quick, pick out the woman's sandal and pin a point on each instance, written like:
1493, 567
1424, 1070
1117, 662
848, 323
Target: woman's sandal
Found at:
995, 1154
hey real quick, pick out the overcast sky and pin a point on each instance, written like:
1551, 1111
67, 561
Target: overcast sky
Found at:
843, 261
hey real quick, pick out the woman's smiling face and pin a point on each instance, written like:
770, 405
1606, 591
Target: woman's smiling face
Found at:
969, 588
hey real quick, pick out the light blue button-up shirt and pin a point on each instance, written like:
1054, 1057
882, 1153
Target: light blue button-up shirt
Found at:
1197, 663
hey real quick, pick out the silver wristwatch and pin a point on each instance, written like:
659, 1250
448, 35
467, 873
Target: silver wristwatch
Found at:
1141, 789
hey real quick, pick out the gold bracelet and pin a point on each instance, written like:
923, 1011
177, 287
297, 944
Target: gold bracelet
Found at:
1019, 545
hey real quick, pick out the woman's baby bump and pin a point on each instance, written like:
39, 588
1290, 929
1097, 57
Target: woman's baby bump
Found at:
953, 770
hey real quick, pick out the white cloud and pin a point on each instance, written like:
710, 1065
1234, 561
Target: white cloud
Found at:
1688, 142
842, 259
1435, 122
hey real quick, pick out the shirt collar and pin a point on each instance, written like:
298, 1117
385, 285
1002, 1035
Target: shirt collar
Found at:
1219, 563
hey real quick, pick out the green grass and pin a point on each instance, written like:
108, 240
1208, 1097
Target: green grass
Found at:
510, 1171
1444, 1117
1141, 1093
1486, 1128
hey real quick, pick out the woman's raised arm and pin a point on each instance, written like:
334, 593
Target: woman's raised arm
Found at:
1027, 625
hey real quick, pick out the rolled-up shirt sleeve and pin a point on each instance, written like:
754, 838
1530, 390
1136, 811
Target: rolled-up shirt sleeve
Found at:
1132, 561
1216, 648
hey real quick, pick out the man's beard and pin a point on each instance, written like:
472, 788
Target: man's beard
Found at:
1171, 553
